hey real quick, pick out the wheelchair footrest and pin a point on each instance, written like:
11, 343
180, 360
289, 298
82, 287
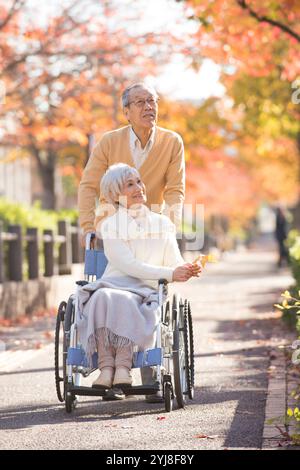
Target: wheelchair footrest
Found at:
87, 391
142, 389
98, 392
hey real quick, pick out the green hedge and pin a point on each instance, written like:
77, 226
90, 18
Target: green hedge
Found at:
293, 244
290, 311
33, 216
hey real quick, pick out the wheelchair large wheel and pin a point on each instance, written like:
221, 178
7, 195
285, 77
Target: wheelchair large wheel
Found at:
189, 349
69, 397
179, 357
65, 318
59, 362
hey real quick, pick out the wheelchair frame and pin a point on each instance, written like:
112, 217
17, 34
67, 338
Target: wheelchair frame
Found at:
173, 355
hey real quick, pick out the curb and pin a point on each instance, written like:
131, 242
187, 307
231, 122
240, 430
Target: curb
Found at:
276, 404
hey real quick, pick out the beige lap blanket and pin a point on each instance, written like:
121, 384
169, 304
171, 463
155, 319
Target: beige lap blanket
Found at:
124, 307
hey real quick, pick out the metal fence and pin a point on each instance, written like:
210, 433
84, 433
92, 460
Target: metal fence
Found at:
57, 250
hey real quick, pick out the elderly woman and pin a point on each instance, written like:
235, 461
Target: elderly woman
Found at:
141, 248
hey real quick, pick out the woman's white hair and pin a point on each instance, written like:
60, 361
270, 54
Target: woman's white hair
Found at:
114, 179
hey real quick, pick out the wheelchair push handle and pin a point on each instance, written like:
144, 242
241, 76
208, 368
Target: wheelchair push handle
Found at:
88, 240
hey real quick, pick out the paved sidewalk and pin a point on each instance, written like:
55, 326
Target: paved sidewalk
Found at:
282, 377
238, 366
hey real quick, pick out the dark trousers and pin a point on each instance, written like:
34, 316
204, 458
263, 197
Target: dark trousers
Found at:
282, 252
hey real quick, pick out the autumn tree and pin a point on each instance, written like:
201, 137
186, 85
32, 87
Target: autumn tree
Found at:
257, 44
215, 175
63, 78
253, 36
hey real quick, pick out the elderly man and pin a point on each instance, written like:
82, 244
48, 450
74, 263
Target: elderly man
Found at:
157, 153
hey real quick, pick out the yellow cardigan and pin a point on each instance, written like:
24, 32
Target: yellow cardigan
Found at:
163, 172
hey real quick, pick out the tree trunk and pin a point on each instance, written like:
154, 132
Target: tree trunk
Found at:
46, 161
48, 178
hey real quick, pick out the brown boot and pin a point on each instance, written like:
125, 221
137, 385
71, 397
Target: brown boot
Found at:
122, 377
105, 378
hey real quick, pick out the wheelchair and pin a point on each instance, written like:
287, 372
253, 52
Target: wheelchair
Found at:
173, 355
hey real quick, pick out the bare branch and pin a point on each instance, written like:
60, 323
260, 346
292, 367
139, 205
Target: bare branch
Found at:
266, 19
13, 10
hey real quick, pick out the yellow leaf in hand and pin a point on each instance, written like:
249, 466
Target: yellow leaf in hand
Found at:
286, 294
205, 259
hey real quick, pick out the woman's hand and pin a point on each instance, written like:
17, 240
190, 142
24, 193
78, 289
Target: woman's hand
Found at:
186, 271
183, 273
196, 269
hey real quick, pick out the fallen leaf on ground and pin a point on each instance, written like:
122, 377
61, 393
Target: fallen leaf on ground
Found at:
48, 334
5, 322
160, 418
22, 320
283, 433
284, 443
205, 436
211, 340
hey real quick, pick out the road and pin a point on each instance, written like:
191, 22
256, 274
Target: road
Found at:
234, 328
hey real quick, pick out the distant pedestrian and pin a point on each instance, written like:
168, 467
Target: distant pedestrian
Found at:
281, 231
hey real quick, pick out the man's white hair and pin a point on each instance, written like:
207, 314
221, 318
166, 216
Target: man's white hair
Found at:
126, 92
114, 179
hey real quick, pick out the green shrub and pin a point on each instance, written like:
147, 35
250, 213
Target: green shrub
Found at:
293, 245
290, 309
32, 216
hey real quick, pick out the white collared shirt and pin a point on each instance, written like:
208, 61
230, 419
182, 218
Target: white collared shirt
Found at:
138, 153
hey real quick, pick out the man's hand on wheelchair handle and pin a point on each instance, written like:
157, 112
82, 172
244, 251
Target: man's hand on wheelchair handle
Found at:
83, 240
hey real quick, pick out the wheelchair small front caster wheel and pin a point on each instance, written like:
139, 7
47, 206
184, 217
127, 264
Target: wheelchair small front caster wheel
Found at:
168, 394
70, 403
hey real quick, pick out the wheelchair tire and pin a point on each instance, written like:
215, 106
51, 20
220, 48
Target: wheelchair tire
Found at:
168, 394
166, 317
69, 320
70, 402
65, 318
189, 349
58, 346
179, 359
175, 304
